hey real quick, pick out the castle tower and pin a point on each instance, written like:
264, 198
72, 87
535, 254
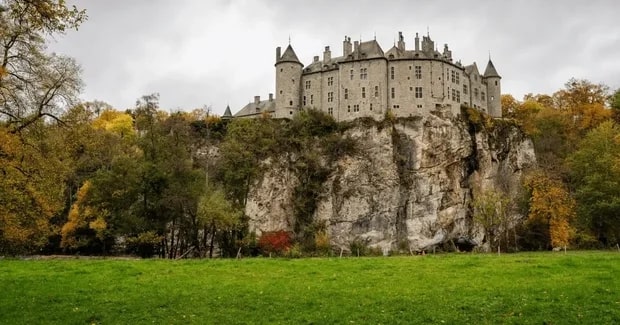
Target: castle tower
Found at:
494, 90
288, 83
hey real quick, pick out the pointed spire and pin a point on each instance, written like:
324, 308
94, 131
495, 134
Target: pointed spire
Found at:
490, 71
227, 114
289, 55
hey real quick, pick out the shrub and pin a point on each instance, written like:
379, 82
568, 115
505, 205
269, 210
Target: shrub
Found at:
144, 245
275, 242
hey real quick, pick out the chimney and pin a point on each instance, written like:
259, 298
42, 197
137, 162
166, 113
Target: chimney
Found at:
256, 100
401, 41
270, 97
417, 42
316, 58
356, 49
346, 46
278, 49
327, 55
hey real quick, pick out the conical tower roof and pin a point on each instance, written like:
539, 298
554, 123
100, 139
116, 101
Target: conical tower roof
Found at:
227, 114
289, 55
490, 70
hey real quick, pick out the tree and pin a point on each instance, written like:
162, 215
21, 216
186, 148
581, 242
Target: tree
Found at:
492, 213
614, 103
595, 175
551, 210
216, 213
33, 84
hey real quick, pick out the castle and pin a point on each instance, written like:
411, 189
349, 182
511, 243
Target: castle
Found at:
366, 82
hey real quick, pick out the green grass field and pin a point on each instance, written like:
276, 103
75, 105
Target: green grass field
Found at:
526, 288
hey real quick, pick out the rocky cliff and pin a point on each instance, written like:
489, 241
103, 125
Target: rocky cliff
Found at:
410, 184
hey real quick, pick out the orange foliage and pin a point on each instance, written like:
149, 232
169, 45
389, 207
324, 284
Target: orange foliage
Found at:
82, 216
552, 206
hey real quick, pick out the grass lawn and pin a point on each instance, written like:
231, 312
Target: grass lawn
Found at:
525, 288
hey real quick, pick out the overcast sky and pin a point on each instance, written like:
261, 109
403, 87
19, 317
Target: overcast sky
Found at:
219, 52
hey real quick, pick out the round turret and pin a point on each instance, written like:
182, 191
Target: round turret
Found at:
288, 83
494, 90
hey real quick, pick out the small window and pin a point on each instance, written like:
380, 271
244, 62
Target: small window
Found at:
418, 92
349, 108
363, 92
304, 101
376, 91
346, 93
392, 73
290, 103
371, 106
418, 72
464, 89
393, 93
311, 99
351, 74
496, 82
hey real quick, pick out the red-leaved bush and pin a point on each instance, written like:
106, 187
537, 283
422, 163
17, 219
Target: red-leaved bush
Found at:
276, 242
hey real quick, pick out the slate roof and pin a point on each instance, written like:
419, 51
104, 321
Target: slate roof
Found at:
227, 114
289, 55
490, 70
252, 108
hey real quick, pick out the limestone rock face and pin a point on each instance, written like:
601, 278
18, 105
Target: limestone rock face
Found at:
409, 187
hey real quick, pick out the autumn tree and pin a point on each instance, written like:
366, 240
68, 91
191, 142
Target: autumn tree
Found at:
551, 210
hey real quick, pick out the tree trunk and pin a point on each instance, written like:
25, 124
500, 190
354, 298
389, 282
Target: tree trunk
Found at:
212, 240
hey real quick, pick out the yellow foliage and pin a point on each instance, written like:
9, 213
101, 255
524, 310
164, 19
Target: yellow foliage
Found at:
82, 216
551, 205
116, 122
3, 71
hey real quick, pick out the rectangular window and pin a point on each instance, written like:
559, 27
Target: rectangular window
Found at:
476, 93
364, 73
356, 108
458, 96
330, 97
458, 77
482, 97
452, 76
393, 93
376, 91
418, 92
454, 94
330, 81
371, 106
346, 93
307, 84
351, 74
311, 99
464, 89
392, 73
304, 101
330, 111
363, 92
418, 72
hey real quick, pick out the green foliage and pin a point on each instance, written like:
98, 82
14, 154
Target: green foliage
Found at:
145, 245
492, 212
595, 175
